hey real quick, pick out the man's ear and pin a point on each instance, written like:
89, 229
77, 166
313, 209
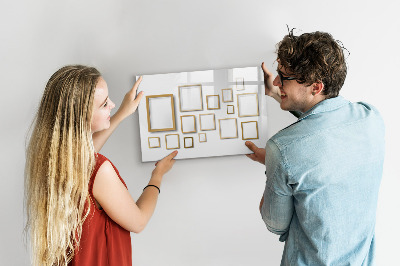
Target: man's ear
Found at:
317, 88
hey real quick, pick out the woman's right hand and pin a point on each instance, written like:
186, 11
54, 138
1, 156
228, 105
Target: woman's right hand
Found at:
165, 164
270, 89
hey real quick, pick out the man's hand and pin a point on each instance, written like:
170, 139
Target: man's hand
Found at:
270, 89
259, 153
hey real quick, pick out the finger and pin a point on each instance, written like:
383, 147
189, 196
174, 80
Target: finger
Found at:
251, 156
136, 85
251, 146
139, 97
172, 155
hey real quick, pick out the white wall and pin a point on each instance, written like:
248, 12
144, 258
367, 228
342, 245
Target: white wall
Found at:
208, 208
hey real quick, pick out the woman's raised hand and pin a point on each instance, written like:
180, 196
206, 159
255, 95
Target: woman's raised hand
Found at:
131, 100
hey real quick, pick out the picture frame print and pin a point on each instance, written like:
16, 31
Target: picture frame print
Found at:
188, 142
227, 95
172, 141
228, 128
188, 123
207, 122
247, 104
154, 142
239, 84
230, 109
160, 112
249, 130
213, 102
190, 98
202, 137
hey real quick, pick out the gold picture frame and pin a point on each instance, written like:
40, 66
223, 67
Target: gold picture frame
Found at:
225, 98
176, 146
252, 104
205, 123
154, 146
195, 102
226, 133
204, 138
192, 129
243, 130
232, 107
208, 97
188, 142
165, 110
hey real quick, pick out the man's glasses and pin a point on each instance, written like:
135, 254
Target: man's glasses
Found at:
282, 78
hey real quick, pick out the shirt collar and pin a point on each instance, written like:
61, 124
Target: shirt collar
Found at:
325, 106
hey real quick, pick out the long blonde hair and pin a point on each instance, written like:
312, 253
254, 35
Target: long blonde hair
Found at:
59, 161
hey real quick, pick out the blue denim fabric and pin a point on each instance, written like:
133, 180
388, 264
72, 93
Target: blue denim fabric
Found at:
323, 176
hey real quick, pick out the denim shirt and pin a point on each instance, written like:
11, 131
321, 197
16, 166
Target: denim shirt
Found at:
323, 176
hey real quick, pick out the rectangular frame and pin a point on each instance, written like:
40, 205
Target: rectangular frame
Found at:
220, 130
209, 96
166, 142
239, 84
202, 125
227, 109
205, 137
243, 137
240, 114
160, 111
230, 91
198, 98
184, 142
194, 124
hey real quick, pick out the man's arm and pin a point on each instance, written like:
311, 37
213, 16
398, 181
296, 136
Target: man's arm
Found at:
128, 107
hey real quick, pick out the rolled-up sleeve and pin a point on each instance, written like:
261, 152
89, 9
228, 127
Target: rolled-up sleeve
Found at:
277, 209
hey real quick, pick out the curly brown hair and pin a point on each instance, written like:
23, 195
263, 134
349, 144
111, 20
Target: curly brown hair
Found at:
314, 57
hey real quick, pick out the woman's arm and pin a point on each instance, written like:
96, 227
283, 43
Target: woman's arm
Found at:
128, 107
116, 201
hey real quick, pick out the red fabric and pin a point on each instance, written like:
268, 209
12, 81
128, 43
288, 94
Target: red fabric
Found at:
103, 241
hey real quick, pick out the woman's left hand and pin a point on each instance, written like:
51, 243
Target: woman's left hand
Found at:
131, 100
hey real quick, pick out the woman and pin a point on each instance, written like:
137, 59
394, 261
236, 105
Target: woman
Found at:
78, 207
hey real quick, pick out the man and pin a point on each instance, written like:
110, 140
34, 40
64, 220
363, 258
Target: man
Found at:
323, 171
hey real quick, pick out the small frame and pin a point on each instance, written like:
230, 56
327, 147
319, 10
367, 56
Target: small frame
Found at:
188, 142
160, 112
230, 109
188, 123
228, 128
227, 95
247, 104
154, 142
207, 122
249, 130
202, 137
239, 84
172, 141
190, 98
212, 102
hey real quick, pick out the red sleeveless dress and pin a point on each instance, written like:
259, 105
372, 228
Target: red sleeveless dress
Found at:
103, 241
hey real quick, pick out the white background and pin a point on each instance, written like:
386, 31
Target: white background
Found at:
208, 208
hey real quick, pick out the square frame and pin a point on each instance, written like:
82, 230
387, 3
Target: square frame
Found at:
159, 142
220, 130
148, 108
199, 99
166, 142
243, 138
194, 124
213, 96
201, 125
188, 146
230, 91
238, 104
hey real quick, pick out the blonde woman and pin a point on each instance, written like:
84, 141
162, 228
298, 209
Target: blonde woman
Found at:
78, 207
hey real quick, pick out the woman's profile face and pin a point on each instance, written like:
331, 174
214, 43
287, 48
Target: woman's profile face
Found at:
102, 106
